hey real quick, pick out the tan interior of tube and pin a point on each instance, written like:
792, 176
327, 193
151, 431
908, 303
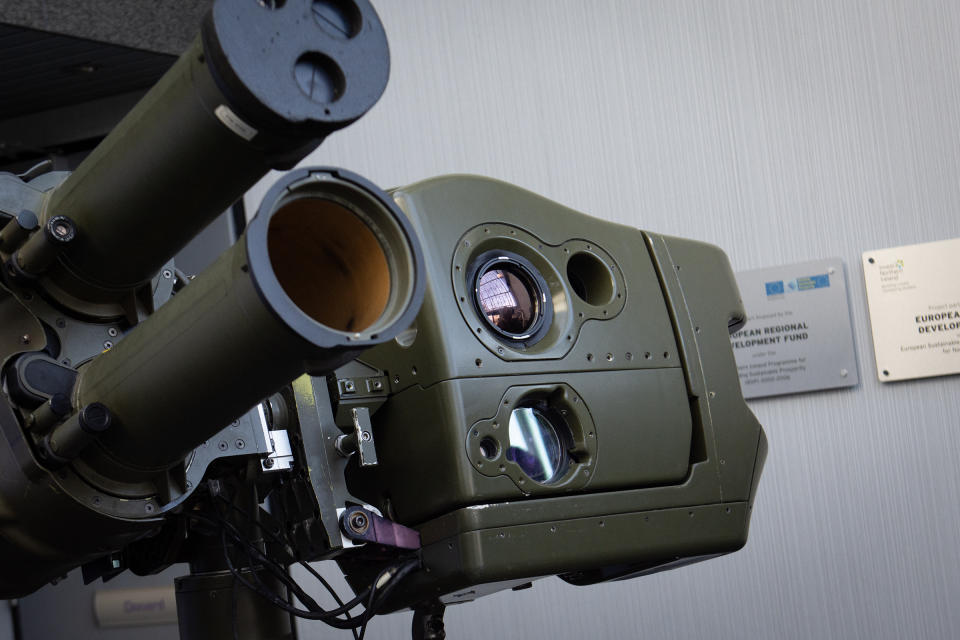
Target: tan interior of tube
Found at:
329, 263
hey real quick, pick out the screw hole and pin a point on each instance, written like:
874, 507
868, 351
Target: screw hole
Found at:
489, 448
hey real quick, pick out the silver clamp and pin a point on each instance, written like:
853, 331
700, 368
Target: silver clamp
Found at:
361, 440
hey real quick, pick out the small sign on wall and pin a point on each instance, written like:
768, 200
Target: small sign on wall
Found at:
135, 607
913, 293
798, 335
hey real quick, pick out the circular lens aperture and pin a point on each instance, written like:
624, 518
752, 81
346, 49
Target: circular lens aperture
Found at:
509, 298
536, 445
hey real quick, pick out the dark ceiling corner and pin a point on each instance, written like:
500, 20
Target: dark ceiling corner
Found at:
163, 26
72, 70
62, 94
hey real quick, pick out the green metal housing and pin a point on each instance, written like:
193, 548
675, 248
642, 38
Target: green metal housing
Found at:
668, 454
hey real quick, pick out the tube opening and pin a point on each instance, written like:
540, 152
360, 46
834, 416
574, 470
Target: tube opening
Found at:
330, 263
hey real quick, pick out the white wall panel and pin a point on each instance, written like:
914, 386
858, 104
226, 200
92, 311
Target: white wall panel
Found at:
781, 131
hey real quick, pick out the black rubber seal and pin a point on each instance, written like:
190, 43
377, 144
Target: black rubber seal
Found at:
277, 300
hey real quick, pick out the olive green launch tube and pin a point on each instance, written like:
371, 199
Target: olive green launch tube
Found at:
260, 87
328, 267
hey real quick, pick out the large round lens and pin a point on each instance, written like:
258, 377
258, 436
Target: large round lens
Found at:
536, 445
509, 298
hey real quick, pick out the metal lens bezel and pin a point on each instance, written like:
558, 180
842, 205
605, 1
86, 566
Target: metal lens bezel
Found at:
536, 285
553, 419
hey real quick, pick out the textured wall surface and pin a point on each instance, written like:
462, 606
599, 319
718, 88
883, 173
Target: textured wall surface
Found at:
781, 131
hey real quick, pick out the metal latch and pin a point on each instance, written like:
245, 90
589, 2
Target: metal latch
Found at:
363, 525
361, 440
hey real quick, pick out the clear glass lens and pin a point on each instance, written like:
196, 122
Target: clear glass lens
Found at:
535, 445
508, 299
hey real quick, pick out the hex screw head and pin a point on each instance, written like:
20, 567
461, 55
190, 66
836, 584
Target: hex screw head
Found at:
358, 522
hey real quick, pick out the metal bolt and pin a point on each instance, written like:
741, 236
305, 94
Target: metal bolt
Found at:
377, 385
240, 443
167, 274
365, 436
148, 507
25, 338
61, 230
222, 445
268, 463
112, 332
107, 344
844, 373
349, 386
358, 522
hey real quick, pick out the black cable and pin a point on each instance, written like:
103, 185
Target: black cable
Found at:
315, 612
341, 605
289, 544
234, 588
17, 622
275, 568
374, 595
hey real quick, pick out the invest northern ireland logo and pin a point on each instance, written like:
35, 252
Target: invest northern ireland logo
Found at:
805, 283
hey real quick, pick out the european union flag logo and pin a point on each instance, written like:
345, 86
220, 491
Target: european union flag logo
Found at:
811, 282
775, 288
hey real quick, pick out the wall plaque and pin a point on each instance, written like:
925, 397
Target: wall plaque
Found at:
798, 335
913, 293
